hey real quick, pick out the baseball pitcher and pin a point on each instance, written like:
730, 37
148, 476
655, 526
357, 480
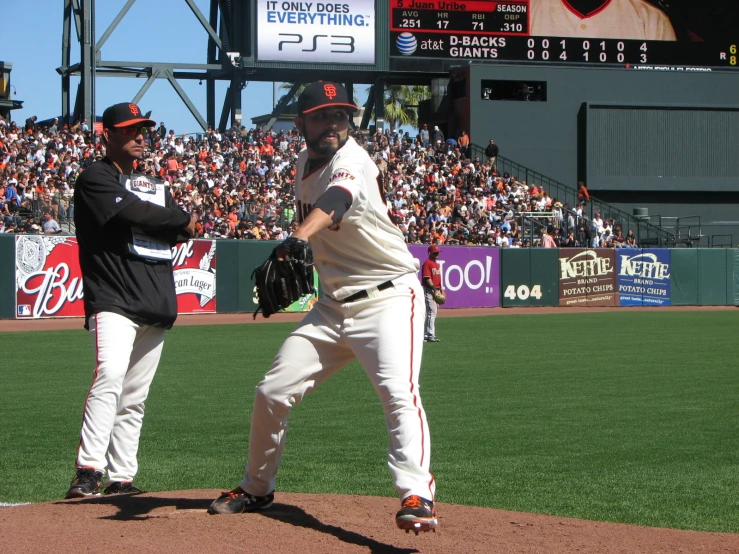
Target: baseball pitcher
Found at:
371, 310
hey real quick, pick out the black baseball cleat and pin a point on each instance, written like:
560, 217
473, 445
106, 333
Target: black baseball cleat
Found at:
121, 487
86, 483
239, 501
416, 514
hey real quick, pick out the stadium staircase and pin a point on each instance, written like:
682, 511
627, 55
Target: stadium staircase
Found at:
647, 234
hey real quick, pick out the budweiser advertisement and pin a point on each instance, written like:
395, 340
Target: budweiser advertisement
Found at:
194, 264
49, 279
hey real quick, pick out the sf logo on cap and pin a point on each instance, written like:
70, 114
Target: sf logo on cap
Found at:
134, 109
330, 91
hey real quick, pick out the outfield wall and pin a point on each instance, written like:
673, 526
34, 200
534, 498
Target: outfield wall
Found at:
40, 276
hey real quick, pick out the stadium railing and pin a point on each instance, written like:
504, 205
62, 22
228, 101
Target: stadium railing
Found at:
647, 234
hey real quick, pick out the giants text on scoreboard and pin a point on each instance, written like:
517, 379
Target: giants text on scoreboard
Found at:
488, 30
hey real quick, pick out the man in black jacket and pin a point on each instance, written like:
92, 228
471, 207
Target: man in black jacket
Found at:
491, 151
126, 225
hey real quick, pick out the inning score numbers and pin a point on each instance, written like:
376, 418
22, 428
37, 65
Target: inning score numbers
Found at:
500, 31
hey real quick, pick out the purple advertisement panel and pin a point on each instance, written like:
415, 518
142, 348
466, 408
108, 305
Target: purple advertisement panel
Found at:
470, 275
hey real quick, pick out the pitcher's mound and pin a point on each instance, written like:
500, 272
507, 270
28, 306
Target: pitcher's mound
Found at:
300, 523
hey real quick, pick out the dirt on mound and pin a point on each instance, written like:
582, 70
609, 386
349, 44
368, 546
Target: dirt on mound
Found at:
322, 524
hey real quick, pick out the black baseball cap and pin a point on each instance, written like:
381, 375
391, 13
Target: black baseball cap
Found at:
324, 94
124, 115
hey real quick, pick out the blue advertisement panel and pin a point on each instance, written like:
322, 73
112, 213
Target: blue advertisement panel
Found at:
643, 276
470, 275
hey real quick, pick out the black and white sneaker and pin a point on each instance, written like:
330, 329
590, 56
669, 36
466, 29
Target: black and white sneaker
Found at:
239, 501
121, 487
416, 514
86, 483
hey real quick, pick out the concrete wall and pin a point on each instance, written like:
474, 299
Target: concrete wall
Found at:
549, 137
544, 135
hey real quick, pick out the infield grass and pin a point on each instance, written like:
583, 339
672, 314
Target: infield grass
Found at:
626, 417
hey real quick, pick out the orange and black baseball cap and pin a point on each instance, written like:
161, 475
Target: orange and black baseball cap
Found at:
125, 115
324, 94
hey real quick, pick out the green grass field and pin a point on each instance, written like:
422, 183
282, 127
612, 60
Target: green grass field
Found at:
625, 417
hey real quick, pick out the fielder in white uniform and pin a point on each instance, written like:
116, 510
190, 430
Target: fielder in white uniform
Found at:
624, 19
372, 309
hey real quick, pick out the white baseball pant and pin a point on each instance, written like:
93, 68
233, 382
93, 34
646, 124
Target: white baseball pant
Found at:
429, 329
385, 334
127, 356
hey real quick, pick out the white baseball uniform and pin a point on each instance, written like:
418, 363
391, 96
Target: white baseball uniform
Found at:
126, 360
625, 19
383, 330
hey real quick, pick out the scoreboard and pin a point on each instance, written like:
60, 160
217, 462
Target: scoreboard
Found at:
517, 31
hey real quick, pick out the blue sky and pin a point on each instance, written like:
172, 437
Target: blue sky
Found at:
152, 30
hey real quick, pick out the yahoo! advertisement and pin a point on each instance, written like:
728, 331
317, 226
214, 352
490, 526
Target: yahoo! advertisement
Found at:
643, 276
470, 274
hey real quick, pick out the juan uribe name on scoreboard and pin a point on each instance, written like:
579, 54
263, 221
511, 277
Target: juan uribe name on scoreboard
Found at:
625, 33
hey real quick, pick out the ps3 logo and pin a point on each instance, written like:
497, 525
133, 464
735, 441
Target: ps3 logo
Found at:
338, 44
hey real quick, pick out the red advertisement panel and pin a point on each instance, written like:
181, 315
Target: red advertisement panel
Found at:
49, 279
194, 264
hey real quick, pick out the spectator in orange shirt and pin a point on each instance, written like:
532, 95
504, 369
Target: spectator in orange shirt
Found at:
463, 142
582, 192
233, 218
267, 151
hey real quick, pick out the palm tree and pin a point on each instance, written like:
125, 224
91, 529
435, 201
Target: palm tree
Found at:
401, 104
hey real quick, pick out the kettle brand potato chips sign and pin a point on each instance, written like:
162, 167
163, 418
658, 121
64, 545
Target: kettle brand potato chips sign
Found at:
587, 277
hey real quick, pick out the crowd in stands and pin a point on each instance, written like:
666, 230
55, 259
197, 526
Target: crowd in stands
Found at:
241, 184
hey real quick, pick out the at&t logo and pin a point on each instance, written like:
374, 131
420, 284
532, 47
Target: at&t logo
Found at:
406, 43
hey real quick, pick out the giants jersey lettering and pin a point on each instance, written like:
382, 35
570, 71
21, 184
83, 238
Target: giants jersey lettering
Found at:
626, 19
348, 254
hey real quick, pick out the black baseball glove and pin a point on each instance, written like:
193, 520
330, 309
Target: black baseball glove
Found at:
281, 282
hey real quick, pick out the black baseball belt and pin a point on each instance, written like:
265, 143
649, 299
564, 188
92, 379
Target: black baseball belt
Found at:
367, 293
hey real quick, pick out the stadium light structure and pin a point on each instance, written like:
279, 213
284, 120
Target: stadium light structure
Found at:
247, 41
221, 63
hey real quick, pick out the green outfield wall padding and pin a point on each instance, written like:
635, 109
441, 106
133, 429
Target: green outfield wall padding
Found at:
515, 271
529, 277
227, 256
236, 259
251, 254
711, 277
736, 278
545, 274
730, 276
684, 276
7, 276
